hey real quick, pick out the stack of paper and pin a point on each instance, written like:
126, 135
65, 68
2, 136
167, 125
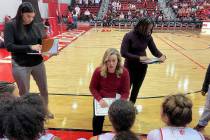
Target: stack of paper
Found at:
151, 61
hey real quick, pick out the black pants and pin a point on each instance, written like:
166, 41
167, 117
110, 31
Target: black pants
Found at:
137, 74
97, 123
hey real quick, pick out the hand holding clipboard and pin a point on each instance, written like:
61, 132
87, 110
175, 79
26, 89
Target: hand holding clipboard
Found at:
49, 47
146, 60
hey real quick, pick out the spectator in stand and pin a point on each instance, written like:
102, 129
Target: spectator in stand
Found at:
69, 21
58, 16
122, 116
176, 113
92, 17
108, 80
92, 2
80, 2
122, 16
129, 15
77, 9
87, 15
75, 19
118, 5
85, 2
114, 5
97, 1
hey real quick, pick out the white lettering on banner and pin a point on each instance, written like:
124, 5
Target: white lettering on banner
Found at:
205, 28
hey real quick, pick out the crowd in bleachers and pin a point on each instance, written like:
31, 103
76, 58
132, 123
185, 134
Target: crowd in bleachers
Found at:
86, 9
190, 10
128, 10
133, 9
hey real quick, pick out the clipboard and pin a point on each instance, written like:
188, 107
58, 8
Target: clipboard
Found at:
99, 111
49, 45
154, 60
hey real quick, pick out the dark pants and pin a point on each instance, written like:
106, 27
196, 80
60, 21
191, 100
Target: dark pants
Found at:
97, 123
22, 78
137, 74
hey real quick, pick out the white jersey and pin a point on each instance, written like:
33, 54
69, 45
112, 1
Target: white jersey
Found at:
175, 133
106, 136
47, 136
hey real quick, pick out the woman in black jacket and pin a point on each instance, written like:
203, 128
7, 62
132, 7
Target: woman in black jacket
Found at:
23, 37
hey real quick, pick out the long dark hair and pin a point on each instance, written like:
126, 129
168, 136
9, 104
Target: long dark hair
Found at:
25, 7
142, 26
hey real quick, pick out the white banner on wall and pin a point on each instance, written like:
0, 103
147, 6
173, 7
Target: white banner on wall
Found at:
43, 8
8, 7
205, 28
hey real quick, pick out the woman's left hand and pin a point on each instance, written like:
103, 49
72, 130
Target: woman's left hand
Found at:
48, 54
162, 58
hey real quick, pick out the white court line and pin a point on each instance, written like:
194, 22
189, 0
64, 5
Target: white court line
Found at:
5, 61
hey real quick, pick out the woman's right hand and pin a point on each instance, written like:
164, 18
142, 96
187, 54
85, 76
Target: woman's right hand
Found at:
36, 47
203, 93
103, 104
162, 58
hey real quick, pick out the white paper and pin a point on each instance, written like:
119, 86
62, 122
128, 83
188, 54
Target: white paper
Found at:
151, 61
99, 111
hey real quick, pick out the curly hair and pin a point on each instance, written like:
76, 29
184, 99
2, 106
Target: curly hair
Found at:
178, 110
122, 115
35, 101
24, 121
6, 104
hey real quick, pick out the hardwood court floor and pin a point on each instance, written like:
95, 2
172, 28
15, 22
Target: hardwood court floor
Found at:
69, 76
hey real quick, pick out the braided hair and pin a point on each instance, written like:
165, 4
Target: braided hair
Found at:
178, 110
